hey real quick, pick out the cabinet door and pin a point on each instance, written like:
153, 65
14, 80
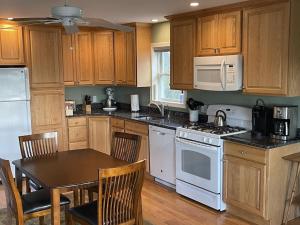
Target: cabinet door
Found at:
104, 57
47, 108
44, 51
11, 46
130, 59
120, 57
99, 134
245, 184
207, 35
78, 137
69, 65
265, 47
84, 58
182, 54
229, 33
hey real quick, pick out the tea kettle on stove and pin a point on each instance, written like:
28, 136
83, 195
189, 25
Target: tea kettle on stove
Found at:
220, 118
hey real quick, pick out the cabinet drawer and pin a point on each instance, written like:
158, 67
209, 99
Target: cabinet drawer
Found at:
119, 123
77, 134
136, 127
245, 152
73, 122
78, 145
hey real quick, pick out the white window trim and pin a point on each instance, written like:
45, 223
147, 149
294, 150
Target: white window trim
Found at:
166, 103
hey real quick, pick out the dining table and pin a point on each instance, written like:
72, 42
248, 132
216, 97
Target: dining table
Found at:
64, 171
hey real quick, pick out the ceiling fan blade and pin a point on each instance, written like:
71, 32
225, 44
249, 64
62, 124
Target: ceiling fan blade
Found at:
71, 29
91, 22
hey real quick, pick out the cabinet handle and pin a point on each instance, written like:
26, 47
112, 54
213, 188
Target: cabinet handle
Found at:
243, 153
215, 51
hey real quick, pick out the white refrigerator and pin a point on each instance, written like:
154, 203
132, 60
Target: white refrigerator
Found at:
14, 111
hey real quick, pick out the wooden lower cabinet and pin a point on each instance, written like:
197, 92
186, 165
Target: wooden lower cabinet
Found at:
48, 114
255, 182
99, 134
77, 133
245, 184
142, 130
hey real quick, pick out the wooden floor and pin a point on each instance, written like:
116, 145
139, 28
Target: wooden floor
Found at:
162, 206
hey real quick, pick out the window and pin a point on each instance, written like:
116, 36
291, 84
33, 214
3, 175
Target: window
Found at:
161, 91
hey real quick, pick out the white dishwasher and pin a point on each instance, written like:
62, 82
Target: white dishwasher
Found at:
162, 154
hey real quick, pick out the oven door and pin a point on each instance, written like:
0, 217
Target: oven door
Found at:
198, 164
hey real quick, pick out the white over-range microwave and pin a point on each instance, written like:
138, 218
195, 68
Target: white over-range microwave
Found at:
218, 73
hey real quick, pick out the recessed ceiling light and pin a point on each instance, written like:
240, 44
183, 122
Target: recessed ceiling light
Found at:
154, 20
10, 18
194, 4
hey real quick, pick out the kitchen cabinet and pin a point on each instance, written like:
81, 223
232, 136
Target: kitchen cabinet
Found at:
78, 58
117, 125
162, 154
255, 182
219, 34
271, 52
182, 53
99, 134
133, 56
47, 112
77, 133
103, 46
142, 130
11, 45
44, 56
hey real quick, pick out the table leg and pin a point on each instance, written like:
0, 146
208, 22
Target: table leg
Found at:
18, 175
55, 208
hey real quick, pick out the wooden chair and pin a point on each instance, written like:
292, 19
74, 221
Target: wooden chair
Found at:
36, 145
28, 206
119, 202
125, 147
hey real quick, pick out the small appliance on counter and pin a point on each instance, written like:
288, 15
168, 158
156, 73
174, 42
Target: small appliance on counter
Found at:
285, 120
261, 119
70, 107
87, 108
134, 100
194, 108
110, 103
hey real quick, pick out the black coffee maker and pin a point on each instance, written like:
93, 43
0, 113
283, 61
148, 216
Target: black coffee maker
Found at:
261, 119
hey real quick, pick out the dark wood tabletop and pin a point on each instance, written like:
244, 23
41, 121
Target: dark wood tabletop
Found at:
67, 169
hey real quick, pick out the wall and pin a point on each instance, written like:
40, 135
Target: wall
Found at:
77, 93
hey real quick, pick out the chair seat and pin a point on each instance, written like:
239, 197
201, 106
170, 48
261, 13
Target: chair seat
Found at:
39, 200
87, 212
34, 185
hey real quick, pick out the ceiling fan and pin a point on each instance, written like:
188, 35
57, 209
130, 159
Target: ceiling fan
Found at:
70, 17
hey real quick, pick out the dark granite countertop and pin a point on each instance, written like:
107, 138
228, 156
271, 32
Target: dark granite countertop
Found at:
260, 142
171, 123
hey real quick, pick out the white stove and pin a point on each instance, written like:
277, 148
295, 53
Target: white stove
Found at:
199, 155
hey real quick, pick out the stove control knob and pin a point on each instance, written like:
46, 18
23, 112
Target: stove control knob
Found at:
185, 135
209, 141
206, 140
180, 134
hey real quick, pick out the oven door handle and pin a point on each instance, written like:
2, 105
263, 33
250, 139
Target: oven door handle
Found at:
196, 144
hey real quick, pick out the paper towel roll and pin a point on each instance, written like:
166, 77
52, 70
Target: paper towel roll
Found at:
135, 106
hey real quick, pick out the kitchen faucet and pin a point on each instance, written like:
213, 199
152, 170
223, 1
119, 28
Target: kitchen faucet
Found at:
161, 108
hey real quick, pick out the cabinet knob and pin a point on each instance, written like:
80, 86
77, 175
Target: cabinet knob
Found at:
243, 153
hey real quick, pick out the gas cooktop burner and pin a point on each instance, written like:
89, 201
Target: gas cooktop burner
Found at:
211, 128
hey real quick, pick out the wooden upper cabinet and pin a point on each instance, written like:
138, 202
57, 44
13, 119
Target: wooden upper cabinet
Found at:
266, 49
219, 34
131, 59
11, 46
84, 58
182, 53
120, 57
44, 54
207, 35
104, 57
230, 32
69, 65
133, 56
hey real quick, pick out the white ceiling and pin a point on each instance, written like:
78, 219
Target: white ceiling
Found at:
118, 11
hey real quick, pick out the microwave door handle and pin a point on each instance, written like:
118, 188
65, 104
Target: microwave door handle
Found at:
222, 74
